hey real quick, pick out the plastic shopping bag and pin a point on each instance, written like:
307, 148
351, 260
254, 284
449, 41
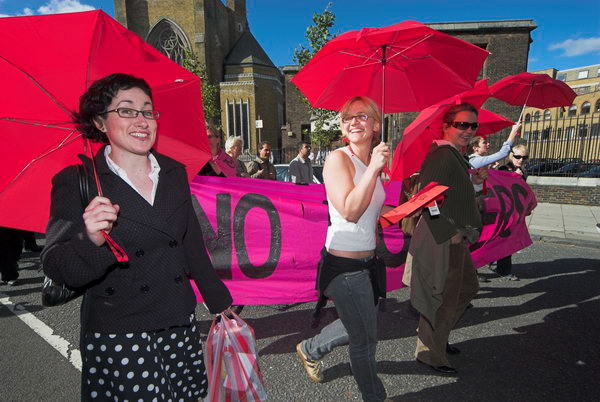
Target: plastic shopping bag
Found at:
232, 362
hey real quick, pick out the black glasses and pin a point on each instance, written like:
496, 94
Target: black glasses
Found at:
524, 157
463, 125
359, 117
128, 113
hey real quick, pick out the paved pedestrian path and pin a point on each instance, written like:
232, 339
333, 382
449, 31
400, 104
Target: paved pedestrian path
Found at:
563, 221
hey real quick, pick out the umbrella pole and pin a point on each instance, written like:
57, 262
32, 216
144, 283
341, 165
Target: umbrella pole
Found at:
383, 126
525, 104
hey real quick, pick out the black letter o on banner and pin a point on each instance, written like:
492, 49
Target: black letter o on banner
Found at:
246, 203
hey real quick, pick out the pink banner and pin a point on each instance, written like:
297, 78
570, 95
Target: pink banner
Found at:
264, 237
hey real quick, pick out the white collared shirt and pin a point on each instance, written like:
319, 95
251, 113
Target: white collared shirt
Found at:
445, 142
153, 175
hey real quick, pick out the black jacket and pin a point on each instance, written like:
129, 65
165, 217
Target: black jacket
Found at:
164, 244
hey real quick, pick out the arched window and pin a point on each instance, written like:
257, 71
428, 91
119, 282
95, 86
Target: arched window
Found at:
169, 39
547, 114
585, 108
536, 116
528, 117
572, 110
597, 107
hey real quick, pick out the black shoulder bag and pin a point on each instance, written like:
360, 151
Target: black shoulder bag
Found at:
55, 294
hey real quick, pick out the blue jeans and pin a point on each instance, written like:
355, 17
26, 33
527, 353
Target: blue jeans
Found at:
352, 294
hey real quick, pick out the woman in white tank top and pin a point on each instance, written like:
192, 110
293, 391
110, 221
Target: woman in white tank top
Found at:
349, 274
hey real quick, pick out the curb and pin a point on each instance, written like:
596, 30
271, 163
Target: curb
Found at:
568, 242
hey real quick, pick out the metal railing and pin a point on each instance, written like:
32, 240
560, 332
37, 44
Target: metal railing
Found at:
563, 147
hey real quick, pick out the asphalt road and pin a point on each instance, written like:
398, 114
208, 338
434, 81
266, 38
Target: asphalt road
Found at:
537, 339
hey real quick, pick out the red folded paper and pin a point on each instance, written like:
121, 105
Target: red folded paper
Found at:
428, 194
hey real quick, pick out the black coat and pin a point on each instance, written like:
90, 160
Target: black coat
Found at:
164, 244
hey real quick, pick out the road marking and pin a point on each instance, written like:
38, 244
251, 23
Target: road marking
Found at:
39, 327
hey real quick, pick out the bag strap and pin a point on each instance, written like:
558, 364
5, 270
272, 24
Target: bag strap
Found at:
84, 190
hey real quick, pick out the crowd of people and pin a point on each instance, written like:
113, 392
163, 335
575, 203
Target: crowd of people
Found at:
139, 336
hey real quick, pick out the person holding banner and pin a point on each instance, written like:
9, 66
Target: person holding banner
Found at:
139, 336
349, 273
518, 158
442, 278
233, 148
221, 164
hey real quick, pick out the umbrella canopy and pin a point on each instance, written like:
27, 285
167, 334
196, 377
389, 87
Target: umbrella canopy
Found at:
427, 127
535, 90
46, 64
403, 67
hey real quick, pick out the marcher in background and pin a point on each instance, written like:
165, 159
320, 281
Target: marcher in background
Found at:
442, 277
261, 167
139, 337
479, 148
349, 272
29, 242
517, 160
301, 171
11, 246
233, 148
221, 163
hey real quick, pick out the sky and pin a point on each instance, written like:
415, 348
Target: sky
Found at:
567, 34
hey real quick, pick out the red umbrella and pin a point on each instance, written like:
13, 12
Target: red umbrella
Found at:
404, 67
536, 90
46, 63
427, 127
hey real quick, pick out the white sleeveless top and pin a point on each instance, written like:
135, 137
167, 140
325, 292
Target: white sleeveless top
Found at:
360, 236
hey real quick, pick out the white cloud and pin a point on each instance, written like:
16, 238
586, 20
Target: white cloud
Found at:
63, 6
577, 47
54, 7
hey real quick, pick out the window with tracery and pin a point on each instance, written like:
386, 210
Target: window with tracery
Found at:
170, 40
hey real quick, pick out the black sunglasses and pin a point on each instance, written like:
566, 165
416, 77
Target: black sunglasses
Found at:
524, 157
463, 125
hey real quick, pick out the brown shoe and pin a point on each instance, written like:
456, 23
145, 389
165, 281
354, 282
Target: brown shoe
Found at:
313, 367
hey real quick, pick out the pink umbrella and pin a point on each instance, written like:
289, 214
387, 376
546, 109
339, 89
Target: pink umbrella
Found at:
536, 90
427, 127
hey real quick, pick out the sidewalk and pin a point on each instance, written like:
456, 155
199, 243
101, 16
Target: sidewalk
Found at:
571, 223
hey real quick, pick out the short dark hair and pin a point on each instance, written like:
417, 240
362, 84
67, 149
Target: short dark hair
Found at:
302, 144
263, 143
474, 143
96, 100
454, 110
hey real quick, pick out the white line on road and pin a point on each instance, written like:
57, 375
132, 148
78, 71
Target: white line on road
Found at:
43, 330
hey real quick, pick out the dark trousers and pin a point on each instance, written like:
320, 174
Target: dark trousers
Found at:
11, 243
504, 266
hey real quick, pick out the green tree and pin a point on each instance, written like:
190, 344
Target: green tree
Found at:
210, 91
326, 126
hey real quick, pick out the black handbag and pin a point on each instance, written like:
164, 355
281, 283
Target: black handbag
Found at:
55, 294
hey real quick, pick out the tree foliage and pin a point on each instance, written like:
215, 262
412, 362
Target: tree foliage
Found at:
210, 91
326, 127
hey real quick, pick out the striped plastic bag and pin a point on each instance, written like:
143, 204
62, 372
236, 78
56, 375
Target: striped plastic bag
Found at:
232, 361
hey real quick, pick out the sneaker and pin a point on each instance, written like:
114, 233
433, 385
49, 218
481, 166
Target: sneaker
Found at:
314, 368
13, 282
509, 277
482, 278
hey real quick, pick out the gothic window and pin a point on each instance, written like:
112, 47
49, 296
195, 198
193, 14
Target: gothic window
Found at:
169, 39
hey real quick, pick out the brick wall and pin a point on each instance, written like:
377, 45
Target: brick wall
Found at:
567, 190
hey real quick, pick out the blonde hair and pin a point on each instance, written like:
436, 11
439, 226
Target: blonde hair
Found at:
372, 110
520, 147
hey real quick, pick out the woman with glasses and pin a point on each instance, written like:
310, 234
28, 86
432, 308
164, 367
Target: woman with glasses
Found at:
139, 337
517, 160
479, 148
443, 280
221, 164
349, 273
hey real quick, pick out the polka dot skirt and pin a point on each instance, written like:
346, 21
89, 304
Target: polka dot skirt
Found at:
165, 365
